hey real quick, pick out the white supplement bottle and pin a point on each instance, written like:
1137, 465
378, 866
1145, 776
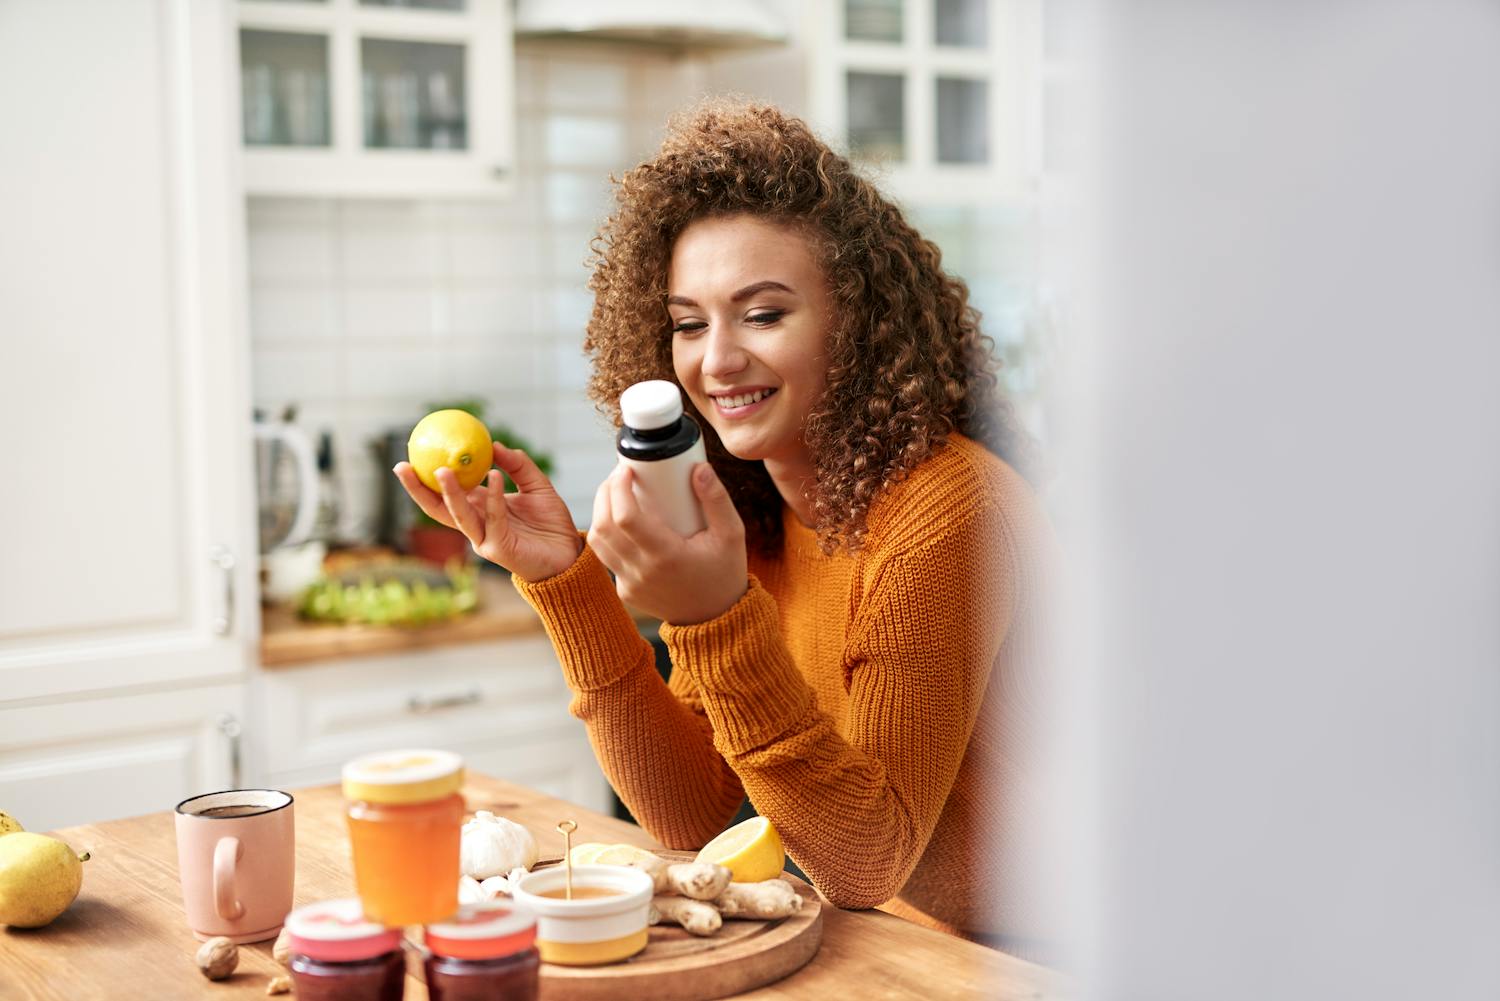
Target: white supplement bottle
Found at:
662, 445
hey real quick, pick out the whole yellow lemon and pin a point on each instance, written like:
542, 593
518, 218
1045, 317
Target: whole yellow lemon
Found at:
452, 438
39, 877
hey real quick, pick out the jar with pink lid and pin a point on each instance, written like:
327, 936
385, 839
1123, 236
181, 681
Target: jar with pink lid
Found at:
337, 955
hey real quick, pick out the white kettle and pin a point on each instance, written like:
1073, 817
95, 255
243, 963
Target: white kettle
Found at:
286, 477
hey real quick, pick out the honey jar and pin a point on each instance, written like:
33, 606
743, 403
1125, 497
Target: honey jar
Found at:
405, 816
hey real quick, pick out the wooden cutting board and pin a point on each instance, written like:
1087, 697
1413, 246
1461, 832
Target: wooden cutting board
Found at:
676, 966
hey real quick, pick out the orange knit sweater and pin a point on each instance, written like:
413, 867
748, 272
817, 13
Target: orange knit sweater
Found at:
874, 708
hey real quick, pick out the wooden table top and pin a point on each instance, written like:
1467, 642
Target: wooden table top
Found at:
126, 934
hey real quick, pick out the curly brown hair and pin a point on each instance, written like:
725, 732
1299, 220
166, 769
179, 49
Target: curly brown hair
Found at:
908, 364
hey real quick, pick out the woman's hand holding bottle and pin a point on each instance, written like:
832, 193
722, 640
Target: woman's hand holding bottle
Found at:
679, 580
529, 533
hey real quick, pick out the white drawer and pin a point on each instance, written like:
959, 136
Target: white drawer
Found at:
96, 759
312, 718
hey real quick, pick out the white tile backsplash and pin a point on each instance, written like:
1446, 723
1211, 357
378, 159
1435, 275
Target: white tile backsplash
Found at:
584, 141
402, 253
592, 86
296, 375
280, 314
397, 373
505, 314
418, 311
292, 252
501, 255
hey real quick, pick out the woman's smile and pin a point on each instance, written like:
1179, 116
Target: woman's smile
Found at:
737, 404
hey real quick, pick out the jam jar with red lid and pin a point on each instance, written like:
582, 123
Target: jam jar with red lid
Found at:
485, 952
339, 955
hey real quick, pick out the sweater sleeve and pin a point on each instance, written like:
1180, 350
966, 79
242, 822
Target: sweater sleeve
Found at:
652, 741
856, 810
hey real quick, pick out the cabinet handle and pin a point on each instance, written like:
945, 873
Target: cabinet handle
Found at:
229, 726
421, 704
222, 558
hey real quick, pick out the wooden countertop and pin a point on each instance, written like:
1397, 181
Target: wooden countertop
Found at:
287, 639
126, 934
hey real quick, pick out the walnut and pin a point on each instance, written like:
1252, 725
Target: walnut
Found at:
217, 958
282, 950
278, 985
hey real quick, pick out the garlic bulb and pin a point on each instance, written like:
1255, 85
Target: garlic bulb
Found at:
493, 846
469, 891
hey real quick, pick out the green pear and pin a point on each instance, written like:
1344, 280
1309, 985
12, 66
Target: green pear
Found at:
39, 877
9, 824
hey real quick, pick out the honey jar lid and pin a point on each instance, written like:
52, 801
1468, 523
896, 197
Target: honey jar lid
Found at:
336, 931
487, 930
414, 776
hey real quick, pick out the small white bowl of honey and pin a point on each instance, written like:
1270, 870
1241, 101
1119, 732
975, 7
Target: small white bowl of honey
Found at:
604, 921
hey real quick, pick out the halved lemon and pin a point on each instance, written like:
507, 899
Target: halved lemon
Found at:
621, 855
751, 850
586, 853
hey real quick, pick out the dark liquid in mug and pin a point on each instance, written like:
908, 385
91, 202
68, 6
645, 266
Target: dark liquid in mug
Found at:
237, 810
580, 892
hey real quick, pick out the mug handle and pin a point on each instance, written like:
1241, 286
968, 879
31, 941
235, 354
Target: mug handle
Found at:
226, 853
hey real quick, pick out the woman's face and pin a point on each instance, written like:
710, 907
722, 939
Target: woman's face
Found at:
750, 318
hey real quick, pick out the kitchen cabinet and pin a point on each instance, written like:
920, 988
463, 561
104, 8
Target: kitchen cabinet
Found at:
368, 98
938, 95
503, 705
100, 758
130, 533
129, 545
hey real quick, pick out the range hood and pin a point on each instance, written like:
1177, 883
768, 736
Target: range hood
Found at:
665, 22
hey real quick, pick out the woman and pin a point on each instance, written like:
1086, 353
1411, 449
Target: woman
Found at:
853, 634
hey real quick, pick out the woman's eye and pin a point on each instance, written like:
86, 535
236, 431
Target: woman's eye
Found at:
765, 319
688, 327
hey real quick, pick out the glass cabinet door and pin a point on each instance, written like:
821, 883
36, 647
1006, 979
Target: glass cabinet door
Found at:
378, 98
873, 21
413, 95
963, 120
877, 115
940, 97
284, 87
961, 23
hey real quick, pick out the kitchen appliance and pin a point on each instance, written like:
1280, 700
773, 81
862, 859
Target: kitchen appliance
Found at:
396, 512
287, 494
286, 481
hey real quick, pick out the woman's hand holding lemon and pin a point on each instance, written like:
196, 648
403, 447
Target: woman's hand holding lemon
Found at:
530, 533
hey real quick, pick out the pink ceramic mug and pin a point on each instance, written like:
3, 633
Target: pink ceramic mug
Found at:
236, 856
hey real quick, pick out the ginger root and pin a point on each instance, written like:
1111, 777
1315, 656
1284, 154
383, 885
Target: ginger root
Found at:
282, 950
766, 900
695, 880
698, 880
695, 916
278, 985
